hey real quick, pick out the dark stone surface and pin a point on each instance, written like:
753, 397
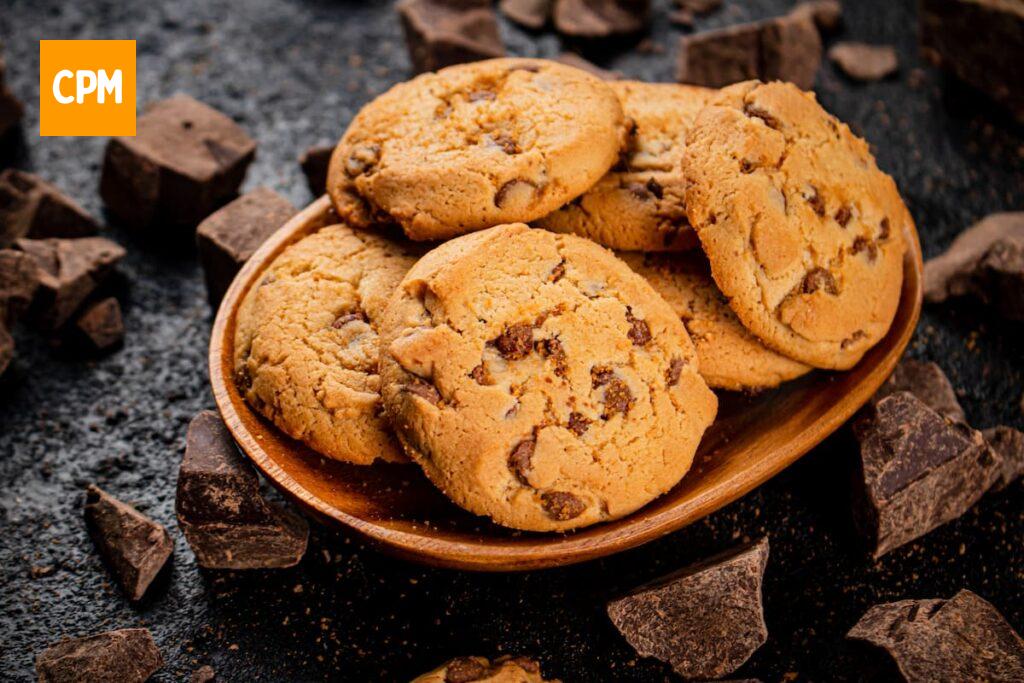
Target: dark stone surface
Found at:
293, 72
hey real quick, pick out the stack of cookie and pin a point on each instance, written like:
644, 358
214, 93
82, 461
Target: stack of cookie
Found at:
467, 313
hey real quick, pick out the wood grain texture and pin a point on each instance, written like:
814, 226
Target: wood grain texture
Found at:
395, 508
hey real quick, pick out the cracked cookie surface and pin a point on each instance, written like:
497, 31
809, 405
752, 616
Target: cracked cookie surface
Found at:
307, 346
640, 204
729, 357
805, 235
539, 381
481, 670
476, 145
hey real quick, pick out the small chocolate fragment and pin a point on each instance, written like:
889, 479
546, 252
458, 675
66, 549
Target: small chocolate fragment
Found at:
533, 14
19, 278
220, 509
949, 38
11, 108
69, 270
32, 207
705, 620
314, 162
599, 19
101, 325
439, 33
928, 382
919, 470
133, 545
964, 638
185, 160
128, 655
1009, 444
203, 674
864, 62
574, 60
228, 237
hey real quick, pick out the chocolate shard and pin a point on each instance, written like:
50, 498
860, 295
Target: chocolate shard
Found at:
601, 19
314, 162
134, 546
949, 31
220, 509
203, 674
32, 207
19, 278
1009, 444
127, 655
439, 33
574, 60
864, 62
926, 381
919, 470
185, 160
532, 14
69, 270
100, 327
964, 638
705, 620
11, 108
228, 237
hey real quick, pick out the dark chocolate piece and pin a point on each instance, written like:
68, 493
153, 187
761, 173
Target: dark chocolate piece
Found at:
964, 638
220, 509
919, 470
314, 162
864, 62
6, 348
705, 620
101, 327
573, 59
19, 278
203, 674
949, 38
229, 237
928, 382
32, 207
185, 160
439, 33
533, 14
599, 19
1009, 444
11, 108
134, 546
128, 655
69, 270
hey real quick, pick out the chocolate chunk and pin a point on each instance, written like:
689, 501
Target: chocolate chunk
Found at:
675, 369
578, 423
949, 31
552, 348
574, 60
705, 620
816, 201
562, 505
101, 326
618, 399
533, 14
227, 238
599, 19
6, 348
864, 62
439, 33
32, 207
11, 108
819, 278
928, 382
19, 278
133, 545
601, 375
519, 459
220, 510
843, 215
515, 342
185, 160
998, 278
639, 331
127, 655
314, 162
203, 674
964, 638
918, 471
515, 193
69, 270
424, 389
1009, 444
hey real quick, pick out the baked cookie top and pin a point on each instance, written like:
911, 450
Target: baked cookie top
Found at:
480, 670
640, 205
475, 145
729, 356
539, 381
803, 232
306, 345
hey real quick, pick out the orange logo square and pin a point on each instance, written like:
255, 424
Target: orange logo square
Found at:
86, 87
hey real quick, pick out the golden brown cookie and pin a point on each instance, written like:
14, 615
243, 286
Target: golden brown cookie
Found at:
803, 232
729, 357
479, 669
640, 204
539, 381
475, 145
306, 345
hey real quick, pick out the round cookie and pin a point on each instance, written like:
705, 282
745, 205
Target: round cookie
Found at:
480, 670
639, 205
539, 381
729, 357
306, 345
803, 232
475, 145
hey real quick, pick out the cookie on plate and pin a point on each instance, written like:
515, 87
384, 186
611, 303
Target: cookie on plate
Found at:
475, 145
640, 205
804, 234
729, 357
479, 669
539, 381
306, 344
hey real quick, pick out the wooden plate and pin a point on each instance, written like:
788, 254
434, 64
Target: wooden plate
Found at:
395, 507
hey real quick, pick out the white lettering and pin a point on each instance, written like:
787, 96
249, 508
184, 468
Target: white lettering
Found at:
61, 75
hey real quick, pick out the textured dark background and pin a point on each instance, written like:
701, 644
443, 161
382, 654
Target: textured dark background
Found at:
293, 72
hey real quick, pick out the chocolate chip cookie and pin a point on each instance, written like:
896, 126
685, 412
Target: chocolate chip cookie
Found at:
729, 357
640, 205
805, 235
306, 345
539, 381
475, 145
480, 670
